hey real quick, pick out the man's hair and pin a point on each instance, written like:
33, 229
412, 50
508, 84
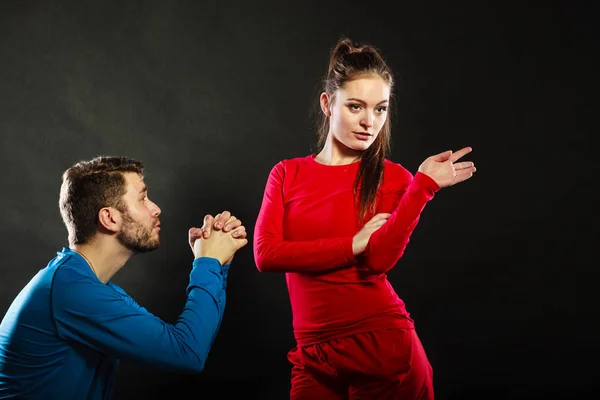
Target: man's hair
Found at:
89, 186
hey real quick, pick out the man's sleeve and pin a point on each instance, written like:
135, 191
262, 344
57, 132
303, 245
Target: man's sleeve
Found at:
100, 317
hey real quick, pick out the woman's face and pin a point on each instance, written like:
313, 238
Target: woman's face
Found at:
357, 111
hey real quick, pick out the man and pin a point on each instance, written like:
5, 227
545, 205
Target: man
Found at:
65, 332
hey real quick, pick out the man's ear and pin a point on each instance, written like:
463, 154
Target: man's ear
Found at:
110, 219
325, 101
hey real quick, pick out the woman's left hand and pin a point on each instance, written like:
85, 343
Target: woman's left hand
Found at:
444, 169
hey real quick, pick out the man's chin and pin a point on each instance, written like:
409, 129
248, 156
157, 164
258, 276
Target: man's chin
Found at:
145, 248
151, 247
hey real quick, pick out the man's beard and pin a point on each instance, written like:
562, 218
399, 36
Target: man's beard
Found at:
136, 237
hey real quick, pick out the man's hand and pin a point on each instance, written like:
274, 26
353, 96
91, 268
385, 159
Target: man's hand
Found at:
232, 224
361, 239
222, 243
444, 169
220, 221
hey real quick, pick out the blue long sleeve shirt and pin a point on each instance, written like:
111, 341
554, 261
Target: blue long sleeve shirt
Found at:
65, 332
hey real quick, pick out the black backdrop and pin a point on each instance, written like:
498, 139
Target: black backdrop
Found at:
499, 274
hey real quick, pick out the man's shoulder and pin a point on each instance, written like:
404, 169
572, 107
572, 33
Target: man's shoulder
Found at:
45, 277
68, 269
117, 288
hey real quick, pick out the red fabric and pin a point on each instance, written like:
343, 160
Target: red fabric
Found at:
305, 228
388, 364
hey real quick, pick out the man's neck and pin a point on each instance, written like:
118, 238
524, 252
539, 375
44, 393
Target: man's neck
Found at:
105, 258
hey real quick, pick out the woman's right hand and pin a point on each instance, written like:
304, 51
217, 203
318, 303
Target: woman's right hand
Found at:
361, 239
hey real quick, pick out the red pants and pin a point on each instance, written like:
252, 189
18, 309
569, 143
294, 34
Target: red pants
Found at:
385, 364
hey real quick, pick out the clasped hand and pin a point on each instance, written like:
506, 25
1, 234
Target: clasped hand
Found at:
219, 237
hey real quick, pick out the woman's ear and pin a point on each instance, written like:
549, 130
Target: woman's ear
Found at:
325, 101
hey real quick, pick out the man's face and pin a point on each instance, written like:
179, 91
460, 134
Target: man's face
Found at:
141, 226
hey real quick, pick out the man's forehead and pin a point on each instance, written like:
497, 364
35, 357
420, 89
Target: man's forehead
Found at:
135, 181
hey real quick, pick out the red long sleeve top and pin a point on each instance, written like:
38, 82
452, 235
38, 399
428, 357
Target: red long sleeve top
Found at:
305, 227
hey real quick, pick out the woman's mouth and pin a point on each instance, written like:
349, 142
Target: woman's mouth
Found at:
362, 135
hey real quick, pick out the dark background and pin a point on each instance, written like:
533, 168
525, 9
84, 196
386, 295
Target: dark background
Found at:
500, 274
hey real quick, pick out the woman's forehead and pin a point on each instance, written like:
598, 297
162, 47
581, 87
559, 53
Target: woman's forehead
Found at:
371, 87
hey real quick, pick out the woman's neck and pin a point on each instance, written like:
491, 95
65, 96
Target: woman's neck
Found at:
336, 153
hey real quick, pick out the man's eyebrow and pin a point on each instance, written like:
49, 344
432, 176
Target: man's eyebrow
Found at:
143, 189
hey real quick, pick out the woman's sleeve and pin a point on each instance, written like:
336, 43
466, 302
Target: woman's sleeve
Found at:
274, 254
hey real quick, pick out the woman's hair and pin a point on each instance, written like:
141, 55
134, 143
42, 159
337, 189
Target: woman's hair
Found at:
350, 61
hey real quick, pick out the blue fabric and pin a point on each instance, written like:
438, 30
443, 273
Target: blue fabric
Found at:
65, 332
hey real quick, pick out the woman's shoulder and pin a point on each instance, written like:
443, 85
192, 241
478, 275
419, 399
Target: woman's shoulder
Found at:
397, 170
290, 167
295, 162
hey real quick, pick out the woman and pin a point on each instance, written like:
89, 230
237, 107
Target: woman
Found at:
336, 223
